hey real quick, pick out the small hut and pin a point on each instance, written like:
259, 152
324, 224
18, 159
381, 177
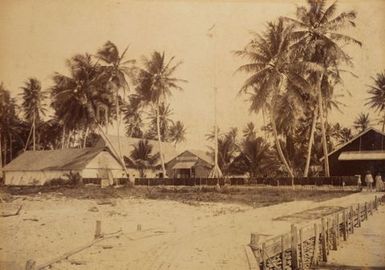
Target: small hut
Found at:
190, 164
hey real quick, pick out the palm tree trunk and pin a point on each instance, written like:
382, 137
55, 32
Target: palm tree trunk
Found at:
5, 150
10, 147
278, 145
159, 140
311, 141
85, 136
1, 153
118, 122
63, 136
34, 131
323, 130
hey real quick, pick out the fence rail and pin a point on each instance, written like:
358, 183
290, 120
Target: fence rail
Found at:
304, 247
276, 181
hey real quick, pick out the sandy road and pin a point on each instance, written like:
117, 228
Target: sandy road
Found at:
179, 236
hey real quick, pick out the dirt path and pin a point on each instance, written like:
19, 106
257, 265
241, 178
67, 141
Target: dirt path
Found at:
174, 235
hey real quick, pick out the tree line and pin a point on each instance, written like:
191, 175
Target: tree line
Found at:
96, 93
295, 66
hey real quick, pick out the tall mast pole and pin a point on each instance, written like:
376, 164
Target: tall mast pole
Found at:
216, 171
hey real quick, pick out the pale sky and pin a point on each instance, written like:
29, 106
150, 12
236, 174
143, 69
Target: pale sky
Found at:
37, 36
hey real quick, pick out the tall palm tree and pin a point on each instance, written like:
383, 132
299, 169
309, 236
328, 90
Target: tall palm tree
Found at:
272, 67
362, 122
319, 39
177, 133
376, 100
142, 157
155, 84
11, 127
33, 104
118, 68
78, 99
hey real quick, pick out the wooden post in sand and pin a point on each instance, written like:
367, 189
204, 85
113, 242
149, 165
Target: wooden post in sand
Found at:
334, 233
98, 229
344, 229
30, 265
323, 242
301, 248
316, 245
352, 219
375, 202
359, 215
294, 247
283, 255
366, 210
338, 228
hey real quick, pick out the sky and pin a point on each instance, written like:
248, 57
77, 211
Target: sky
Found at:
37, 36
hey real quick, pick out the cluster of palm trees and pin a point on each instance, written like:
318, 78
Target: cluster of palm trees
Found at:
248, 154
93, 96
295, 66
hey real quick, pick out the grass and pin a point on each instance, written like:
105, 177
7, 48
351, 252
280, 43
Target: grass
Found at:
254, 196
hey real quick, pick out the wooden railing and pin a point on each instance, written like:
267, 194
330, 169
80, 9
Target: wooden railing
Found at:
304, 247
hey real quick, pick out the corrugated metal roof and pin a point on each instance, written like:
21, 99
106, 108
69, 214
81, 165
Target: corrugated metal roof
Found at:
362, 155
61, 159
184, 165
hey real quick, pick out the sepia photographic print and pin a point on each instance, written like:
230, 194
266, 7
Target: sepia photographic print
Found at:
192, 134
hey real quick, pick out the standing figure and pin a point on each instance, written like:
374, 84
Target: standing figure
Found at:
379, 182
369, 180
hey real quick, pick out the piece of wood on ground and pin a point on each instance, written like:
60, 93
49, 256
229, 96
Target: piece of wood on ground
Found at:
252, 261
14, 213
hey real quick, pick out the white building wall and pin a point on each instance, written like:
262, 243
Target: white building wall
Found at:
25, 178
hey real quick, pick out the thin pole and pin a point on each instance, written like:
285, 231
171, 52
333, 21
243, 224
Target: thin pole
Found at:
33, 132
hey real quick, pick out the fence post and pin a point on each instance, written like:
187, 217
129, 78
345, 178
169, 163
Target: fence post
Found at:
344, 231
263, 255
352, 219
316, 244
358, 215
301, 248
323, 243
334, 233
294, 247
375, 203
366, 210
338, 228
283, 255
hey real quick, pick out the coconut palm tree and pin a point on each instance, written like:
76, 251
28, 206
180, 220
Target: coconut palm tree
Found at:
249, 131
318, 39
177, 133
33, 105
155, 84
79, 98
118, 68
142, 157
376, 100
255, 157
272, 67
11, 127
362, 122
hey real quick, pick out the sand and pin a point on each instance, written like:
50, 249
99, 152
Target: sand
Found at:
173, 236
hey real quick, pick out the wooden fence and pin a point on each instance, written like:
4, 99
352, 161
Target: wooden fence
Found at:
276, 181
304, 247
